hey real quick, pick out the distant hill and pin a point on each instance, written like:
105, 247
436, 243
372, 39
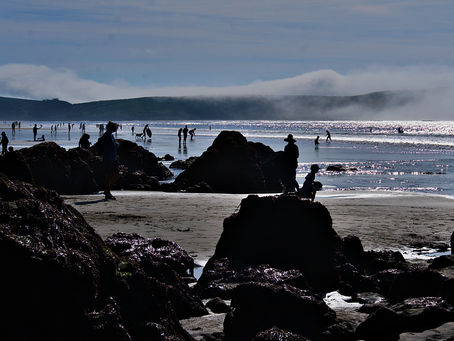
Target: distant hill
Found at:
206, 108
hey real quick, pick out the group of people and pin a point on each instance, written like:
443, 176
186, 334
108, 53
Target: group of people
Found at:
184, 131
310, 186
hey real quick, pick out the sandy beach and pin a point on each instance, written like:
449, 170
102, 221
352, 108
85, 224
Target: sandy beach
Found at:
382, 220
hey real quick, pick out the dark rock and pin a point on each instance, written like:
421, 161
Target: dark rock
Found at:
417, 283
232, 165
163, 260
217, 336
442, 262
183, 164
383, 324
336, 168
221, 276
342, 331
166, 157
299, 233
217, 305
418, 314
276, 334
81, 171
447, 290
63, 282
200, 187
452, 243
349, 275
376, 261
258, 307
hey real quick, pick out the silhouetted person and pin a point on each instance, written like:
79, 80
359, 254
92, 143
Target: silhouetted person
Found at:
132, 130
84, 141
145, 130
4, 143
328, 136
110, 158
185, 133
316, 142
192, 132
42, 138
69, 128
13, 128
309, 188
83, 128
179, 134
35, 131
291, 154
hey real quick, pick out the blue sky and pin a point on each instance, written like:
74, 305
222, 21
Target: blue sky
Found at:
135, 47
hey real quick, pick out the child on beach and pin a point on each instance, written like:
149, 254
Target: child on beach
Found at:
310, 187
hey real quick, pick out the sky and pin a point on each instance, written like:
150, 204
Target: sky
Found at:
97, 49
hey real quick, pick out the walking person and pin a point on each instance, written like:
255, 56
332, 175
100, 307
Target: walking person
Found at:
110, 158
291, 154
4, 143
13, 128
328, 136
179, 134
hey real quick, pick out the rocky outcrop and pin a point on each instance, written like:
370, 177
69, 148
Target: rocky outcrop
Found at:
234, 165
276, 334
258, 307
81, 171
183, 164
62, 282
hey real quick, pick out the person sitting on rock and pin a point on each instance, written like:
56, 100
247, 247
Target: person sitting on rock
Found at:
110, 158
310, 187
291, 154
4, 143
84, 141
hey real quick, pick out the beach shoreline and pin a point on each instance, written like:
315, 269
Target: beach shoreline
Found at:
413, 223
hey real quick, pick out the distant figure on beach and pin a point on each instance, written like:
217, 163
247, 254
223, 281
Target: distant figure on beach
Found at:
132, 130
310, 186
42, 138
19, 125
370, 130
144, 131
328, 136
316, 142
83, 128
101, 129
192, 132
35, 131
69, 128
84, 141
110, 158
4, 143
13, 128
179, 134
291, 154
400, 130
185, 134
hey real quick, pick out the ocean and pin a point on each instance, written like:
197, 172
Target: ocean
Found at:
421, 159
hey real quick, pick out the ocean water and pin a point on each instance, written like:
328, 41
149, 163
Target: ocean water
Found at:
421, 159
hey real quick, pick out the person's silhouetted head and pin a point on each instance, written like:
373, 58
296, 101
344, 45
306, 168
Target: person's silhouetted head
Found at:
111, 126
315, 168
290, 139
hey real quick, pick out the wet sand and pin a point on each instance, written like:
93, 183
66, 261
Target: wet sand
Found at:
382, 220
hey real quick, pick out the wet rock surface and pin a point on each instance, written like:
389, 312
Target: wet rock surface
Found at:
62, 282
234, 165
81, 171
274, 247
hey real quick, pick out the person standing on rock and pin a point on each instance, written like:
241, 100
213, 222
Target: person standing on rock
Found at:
110, 158
35, 132
185, 134
4, 143
291, 154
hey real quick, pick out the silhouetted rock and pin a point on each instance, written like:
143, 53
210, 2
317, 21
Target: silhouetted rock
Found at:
165, 261
183, 164
383, 324
81, 171
217, 305
276, 334
64, 283
442, 262
221, 276
285, 232
336, 168
232, 165
258, 307
166, 157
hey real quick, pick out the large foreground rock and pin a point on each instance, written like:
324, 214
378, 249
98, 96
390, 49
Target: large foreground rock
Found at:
61, 282
80, 171
234, 165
